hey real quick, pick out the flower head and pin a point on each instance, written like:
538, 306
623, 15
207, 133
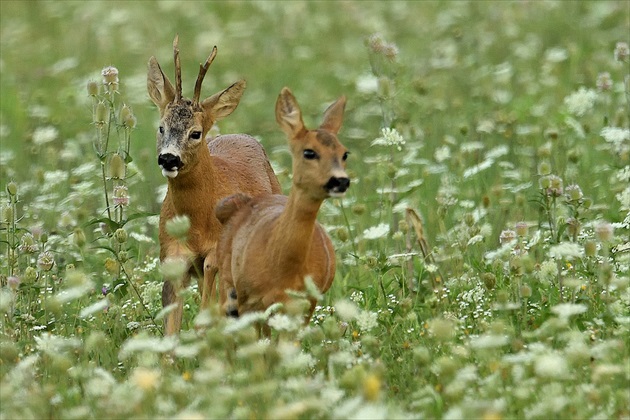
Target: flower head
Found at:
390, 137
581, 102
604, 81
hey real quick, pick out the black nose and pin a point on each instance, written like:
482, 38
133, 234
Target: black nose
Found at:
337, 184
169, 161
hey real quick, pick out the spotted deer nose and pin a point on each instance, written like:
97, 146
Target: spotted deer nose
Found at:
169, 162
338, 185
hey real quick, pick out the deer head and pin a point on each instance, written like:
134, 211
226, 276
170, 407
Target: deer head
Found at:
319, 159
184, 123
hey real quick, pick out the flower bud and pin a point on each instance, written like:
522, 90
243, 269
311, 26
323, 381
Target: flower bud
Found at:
521, 229
111, 265
79, 237
358, 209
371, 387
120, 235
178, 227
342, 234
92, 88
101, 113
12, 188
574, 192
127, 118
544, 182
544, 168
526, 291
117, 166
590, 248
30, 275
403, 226
7, 214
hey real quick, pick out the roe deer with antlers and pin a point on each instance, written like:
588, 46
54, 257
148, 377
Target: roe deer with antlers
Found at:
200, 172
271, 243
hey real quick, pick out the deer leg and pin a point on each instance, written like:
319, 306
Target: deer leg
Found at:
170, 295
210, 270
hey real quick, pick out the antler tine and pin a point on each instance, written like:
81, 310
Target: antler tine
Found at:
202, 73
178, 70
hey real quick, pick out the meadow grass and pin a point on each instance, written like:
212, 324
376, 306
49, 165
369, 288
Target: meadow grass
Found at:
483, 247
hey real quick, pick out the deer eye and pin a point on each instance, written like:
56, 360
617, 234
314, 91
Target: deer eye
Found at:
345, 156
310, 154
195, 135
161, 129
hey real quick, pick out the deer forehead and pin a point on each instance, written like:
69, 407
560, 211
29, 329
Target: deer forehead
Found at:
323, 141
181, 117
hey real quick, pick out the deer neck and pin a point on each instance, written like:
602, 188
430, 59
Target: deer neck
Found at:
293, 233
192, 194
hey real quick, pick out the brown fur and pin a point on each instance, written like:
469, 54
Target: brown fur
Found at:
211, 170
271, 243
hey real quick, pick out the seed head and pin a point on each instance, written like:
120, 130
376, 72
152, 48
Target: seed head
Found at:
101, 113
574, 192
121, 195
604, 81
507, 236
45, 261
604, 231
110, 75
30, 275
92, 88
590, 248
117, 166
621, 51
13, 282
521, 229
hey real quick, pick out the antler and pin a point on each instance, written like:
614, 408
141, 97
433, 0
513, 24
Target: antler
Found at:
202, 73
178, 70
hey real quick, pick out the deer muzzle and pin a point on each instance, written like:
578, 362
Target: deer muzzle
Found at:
170, 164
337, 186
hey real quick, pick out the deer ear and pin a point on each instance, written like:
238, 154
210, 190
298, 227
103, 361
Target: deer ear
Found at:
159, 87
288, 114
333, 116
223, 103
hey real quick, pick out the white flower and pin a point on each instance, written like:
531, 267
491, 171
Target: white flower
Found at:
376, 232
556, 55
390, 137
566, 250
548, 271
566, 310
489, 341
551, 366
43, 135
581, 102
346, 310
53, 344
367, 83
616, 136
442, 153
282, 322
367, 320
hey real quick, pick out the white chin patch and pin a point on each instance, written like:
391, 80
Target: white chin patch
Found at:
336, 194
170, 174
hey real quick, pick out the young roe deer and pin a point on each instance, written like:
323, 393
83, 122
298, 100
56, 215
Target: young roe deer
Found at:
271, 243
200, 172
